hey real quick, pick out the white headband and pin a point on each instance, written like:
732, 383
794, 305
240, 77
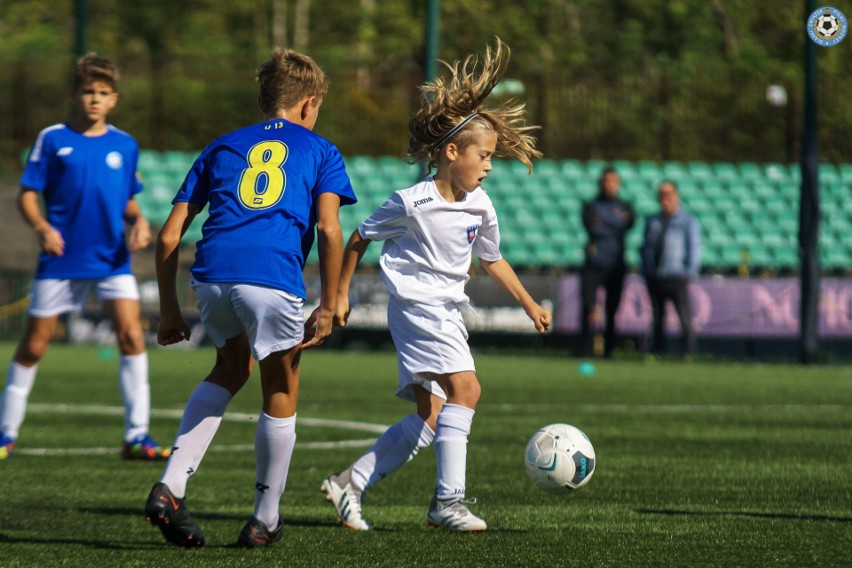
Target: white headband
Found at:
453, 130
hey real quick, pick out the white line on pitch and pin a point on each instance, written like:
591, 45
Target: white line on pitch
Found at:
365, 442
678, 408
229, 416
91, 409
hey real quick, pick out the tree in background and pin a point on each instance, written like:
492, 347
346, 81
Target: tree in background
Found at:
613, 79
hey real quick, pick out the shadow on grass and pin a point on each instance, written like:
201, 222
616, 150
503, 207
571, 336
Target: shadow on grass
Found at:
202, 516
752, 514
101, 545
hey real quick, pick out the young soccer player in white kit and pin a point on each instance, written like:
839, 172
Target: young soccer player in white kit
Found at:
431, 230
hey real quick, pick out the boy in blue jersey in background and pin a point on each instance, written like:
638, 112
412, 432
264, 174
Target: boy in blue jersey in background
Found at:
85, 170
267, 186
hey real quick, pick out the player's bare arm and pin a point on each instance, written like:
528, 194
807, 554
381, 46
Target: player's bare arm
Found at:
352, 255
330, 247
172, 327
140, 229
50, 239
504, 274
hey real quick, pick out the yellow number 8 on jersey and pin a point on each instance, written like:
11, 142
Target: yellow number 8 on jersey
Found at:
262, 183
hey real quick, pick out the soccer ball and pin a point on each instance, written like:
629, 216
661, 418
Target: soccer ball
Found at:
827, 26
560, 458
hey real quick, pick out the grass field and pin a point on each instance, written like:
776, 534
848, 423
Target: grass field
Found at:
698, 465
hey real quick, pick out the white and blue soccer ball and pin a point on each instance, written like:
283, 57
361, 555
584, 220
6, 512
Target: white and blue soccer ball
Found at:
560, 458
827, 26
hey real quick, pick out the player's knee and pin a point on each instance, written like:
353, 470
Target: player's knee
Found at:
130, 341
468, 392
31, 350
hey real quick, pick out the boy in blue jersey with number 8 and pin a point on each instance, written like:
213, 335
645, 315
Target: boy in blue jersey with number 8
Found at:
85, 171
267, 186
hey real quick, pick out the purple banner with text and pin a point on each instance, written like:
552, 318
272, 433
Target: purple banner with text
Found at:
721, 307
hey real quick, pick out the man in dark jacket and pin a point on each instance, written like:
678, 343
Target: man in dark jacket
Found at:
607, 219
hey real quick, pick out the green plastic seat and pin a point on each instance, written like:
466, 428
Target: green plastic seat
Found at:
750, 171
828, 175
571, 169
785, 257
835, 258
776, 172
649, 171
595, 167
674, 171
700, 171
725, 172
626, 170
759, 256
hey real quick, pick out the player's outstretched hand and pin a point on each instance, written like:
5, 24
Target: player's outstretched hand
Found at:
317, 327
172, 330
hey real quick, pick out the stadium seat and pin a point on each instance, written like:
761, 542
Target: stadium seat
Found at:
794, 173
699, 171
725, 172
750, 171
759, 256
178, 163
595, 167
834, 258
828, 175
713, 190
674, 171
149, 161
776, 172
785, 257
625, 169
649, 171
516, 253
571, 169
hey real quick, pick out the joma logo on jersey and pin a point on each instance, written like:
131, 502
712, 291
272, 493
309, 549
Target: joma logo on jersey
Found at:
422, 201
471, 233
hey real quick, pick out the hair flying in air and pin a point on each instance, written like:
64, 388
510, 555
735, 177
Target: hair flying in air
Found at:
453, 110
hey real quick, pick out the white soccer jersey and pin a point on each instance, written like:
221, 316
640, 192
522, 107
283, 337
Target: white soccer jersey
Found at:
429, 241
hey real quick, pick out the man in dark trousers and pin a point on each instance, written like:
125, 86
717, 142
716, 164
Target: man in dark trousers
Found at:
671, 257
607, 219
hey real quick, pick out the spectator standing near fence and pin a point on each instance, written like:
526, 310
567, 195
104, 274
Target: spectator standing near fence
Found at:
671, 257
85, 171
607, 218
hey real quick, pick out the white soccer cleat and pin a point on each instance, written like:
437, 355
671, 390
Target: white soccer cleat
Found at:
453, 515
347, 500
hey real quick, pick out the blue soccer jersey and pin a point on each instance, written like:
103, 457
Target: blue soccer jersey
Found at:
261, 184
86, 182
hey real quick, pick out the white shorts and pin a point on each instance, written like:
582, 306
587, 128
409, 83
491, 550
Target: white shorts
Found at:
430, 340
53, 296
272, 319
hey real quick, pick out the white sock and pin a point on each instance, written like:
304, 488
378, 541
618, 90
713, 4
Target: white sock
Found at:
13, 406
451, 435
136, 394
273, 448
201, 419
394, 448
